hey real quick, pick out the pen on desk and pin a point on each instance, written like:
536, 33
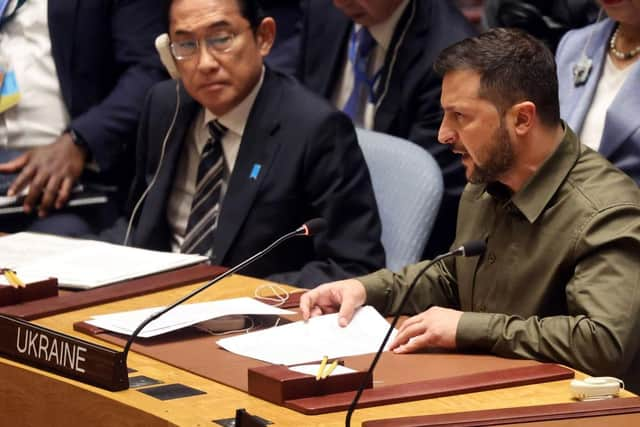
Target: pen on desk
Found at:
330, 369
12, 278
322, 366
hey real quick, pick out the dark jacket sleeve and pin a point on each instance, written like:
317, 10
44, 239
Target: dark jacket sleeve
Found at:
110, 125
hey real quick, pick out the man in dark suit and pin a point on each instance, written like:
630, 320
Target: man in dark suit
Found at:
234, 154
83, 69
402, 93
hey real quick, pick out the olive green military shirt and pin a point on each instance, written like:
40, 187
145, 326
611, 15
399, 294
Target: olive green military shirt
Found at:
560, 278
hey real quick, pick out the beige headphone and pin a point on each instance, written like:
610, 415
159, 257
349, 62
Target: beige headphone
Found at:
163, 46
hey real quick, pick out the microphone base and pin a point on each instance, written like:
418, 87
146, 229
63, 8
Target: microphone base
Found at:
245, 419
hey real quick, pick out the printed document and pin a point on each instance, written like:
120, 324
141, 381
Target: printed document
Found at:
305, 342
182, 316
84, 264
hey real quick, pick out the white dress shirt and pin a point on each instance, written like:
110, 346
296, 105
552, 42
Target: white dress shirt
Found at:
382, 33
184, 185
41, 115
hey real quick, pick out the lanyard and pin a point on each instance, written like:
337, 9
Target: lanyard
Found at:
360, 68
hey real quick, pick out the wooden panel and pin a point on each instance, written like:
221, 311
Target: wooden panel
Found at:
610, 412
131, 288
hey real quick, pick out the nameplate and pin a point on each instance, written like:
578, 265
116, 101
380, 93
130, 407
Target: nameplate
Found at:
62, 354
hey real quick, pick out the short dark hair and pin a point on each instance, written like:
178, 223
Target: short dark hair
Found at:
251, 10
513, 66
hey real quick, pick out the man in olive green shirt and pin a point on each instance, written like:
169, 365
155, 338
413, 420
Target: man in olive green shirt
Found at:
560, 278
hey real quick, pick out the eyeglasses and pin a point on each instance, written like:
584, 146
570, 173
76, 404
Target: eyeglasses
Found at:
220, 42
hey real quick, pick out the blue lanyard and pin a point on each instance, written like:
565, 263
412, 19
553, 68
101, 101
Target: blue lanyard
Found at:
360, 68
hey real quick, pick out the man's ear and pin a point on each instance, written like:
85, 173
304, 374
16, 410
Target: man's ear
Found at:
266, 35
523, 115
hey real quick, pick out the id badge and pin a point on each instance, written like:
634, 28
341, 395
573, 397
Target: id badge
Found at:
9, 93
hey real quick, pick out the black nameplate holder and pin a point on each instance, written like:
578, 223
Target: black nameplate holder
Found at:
52, 351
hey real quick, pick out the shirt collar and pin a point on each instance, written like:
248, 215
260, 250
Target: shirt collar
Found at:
532, 199
236, 119
383, 31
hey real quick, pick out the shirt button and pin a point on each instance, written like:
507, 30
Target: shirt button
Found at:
491, 258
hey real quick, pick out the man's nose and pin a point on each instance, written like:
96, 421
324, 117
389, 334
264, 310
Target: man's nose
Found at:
206, 59
446, 135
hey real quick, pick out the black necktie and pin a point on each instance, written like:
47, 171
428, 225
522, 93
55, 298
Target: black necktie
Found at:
205, 208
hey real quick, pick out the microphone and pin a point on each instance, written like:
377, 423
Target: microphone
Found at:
310, 228
469, 249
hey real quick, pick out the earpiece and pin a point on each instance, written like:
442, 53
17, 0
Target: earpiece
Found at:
164, 50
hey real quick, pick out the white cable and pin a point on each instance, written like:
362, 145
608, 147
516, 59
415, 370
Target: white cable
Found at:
278, 296
155, 176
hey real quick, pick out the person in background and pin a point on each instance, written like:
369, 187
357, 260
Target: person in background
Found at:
599, 84
559, 279
374, 60
75, 75
286, 48
547, 20
234, 155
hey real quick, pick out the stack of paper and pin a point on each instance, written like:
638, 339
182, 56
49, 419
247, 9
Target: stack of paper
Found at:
304, 342
83, 264
181, 316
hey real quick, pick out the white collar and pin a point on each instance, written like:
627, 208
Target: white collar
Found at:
236, 119
383, 31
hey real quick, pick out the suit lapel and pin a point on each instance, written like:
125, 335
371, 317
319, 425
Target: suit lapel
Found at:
618, 127
327, 45
581, 96
410, 48
156, 204
257, 150
62, 20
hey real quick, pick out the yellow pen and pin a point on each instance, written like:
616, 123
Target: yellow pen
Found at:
321, 368
330, 369
12, 278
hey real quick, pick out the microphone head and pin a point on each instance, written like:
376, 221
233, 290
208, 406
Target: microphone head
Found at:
314, 226
473, 248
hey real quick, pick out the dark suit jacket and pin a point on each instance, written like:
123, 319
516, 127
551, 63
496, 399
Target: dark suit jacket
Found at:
411, 107
106, 62
312, 166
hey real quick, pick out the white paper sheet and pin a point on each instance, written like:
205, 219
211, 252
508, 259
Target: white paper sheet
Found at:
83, 264
182, 316
304, 342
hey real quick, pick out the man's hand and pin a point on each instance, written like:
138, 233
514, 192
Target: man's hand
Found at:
344, 296
50, 172
435, 327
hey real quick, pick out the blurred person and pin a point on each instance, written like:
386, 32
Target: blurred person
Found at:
599, 83
374, 60
80, 71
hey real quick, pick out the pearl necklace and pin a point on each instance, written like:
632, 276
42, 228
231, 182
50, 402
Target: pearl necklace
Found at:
621, 55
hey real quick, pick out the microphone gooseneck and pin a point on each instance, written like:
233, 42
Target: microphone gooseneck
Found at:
469, 249
310, 228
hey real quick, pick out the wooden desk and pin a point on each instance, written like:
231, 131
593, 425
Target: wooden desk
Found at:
34, 398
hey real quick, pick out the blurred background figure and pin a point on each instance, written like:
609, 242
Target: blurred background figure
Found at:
374, 60
599, 84
75, 75
288, 16
546, 20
